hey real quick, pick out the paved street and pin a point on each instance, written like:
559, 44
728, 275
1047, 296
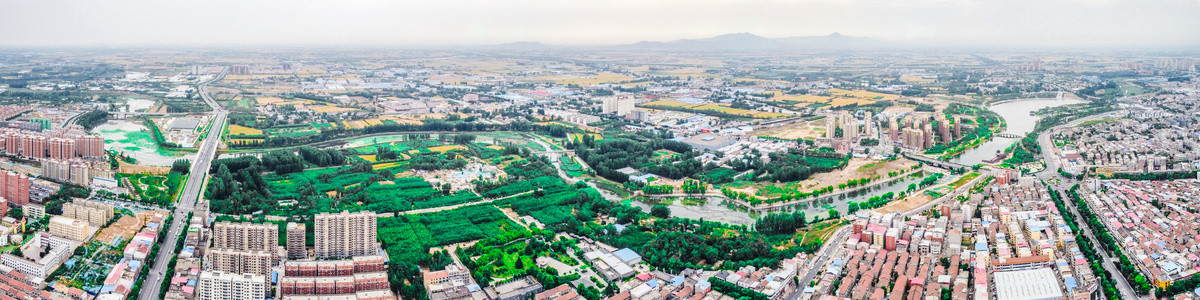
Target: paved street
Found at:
1050, 156
188, 197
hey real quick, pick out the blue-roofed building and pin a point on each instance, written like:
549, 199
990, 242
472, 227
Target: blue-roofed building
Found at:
1071, 284
653, 283
677, 281
628, 256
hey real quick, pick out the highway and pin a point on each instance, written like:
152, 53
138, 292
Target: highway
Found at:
188, 197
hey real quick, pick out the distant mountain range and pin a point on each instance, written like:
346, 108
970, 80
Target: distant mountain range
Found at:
728, 42
751, 42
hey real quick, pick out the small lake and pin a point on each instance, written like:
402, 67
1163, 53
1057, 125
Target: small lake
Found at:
1018, 121
135, 140
714, 209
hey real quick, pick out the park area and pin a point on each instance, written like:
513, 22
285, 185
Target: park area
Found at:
407, 238
156, 189
355, 189
856, 170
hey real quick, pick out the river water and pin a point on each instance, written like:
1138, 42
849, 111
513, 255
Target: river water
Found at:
716, 208
1018, 121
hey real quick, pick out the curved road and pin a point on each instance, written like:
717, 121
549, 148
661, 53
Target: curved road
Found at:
188, 197
1049, 155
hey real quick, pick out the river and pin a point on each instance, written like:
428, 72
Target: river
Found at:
1018, 121
715, 209
135, 140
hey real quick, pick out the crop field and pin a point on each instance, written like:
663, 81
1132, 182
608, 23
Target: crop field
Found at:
547, 208
712, 108
405, 146
238, 130
331, 109
836, 97
408, 238
571, 167
400, 194
587, 80
447, 148
301, 130
577, 137
281, 101
856, 168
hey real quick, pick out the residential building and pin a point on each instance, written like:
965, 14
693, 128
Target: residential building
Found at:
96, 213
295, 241
217, 285
70, 228
345, 234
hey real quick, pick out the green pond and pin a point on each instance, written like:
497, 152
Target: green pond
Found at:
135, 140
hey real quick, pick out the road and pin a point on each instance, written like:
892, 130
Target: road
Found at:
553, 157
188, 197
1050, 156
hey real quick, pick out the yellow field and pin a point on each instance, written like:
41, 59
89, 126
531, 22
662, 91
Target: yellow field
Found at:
863, 94
837, 97
370, 158
713, 107
579, 136
587, 81
242, 130
915, 79
382, 166
495, 147
444, 149
280, 101
332, 109
779, 96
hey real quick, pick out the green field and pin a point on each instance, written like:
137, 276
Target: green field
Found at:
571, 166
407, 238
353, 188
509, 255
161, 190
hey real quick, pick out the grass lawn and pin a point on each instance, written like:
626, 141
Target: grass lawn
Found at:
964, 179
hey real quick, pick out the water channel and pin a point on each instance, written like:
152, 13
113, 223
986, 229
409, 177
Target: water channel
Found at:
718, 209
1017, 117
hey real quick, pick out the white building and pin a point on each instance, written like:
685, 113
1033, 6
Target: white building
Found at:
217, 285
617, 105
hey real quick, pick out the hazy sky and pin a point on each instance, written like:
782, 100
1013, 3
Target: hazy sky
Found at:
1050, 23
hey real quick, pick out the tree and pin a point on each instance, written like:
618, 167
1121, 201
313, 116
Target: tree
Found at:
660, 211
181, 166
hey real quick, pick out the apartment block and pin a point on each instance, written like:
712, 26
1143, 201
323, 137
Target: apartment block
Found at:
341, 279
217, 285
70, 228
345, 234
240, 261
246, 236
296, 236
14, 187
96, 213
